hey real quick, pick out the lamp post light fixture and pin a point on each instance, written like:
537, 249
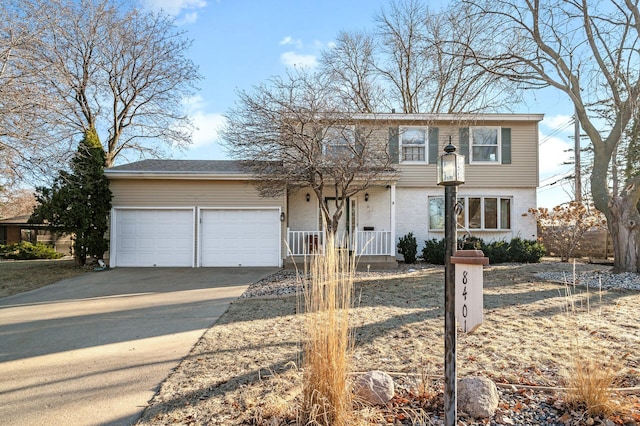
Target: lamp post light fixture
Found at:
450, 170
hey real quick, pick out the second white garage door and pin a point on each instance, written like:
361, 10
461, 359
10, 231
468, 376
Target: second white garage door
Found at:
240, 237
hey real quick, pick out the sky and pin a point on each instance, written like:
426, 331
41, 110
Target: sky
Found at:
238, 44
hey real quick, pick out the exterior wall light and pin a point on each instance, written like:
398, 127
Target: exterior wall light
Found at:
308, 197
366, 196
282, 217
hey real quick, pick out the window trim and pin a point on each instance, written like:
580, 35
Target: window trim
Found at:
465, 225
498, 145
424, 146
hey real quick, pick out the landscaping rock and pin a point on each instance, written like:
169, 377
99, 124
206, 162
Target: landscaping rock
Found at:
375, 387
477, 397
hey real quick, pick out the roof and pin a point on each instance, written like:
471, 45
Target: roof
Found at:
16, 220
22, 221
452, 118
187, 169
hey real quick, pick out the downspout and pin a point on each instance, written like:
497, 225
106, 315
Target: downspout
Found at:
393, 219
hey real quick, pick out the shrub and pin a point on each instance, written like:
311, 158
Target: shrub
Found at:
408, 247
525, 251
518, 250
564, 226
497, 251
25, 250
433, 252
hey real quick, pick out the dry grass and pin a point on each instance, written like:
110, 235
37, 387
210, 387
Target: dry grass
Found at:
245, 369
17, 276
328, 346
589, 381
590, 385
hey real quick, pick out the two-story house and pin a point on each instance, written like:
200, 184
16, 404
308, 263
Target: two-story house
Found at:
208, 213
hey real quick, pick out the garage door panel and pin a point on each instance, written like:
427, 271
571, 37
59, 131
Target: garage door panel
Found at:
235, 237
148, 237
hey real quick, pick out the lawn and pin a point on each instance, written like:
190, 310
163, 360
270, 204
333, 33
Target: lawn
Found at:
246, 368
17, 276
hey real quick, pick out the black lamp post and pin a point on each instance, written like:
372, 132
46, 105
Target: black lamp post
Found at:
450, 170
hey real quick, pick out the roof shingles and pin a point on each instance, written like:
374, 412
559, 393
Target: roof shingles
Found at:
181, 166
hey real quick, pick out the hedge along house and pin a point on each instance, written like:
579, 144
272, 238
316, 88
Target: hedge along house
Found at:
208, 213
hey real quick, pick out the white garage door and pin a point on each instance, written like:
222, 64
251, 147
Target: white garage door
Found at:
154, 237
239, 237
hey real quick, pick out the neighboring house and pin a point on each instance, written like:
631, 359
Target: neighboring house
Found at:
17, 229
208, 213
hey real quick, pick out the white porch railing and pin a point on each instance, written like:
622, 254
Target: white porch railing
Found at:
367, 243
304, 243
373, 243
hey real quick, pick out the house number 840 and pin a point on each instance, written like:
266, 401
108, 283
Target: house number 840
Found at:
465, 280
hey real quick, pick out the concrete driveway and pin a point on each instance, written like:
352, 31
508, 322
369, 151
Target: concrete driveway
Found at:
93, 349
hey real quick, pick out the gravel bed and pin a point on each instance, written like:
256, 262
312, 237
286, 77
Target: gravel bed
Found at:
287, 282
596, 279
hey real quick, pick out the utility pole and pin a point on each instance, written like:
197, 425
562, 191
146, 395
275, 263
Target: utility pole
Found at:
576, 154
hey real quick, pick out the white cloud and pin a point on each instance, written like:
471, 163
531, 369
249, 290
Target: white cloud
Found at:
188, 18
558, 122
290, 41
208, 125
294, 59
554, 151
175, 7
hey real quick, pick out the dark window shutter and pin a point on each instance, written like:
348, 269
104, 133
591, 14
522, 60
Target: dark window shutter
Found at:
394, 145
464, 143
506, 145
433, 145
359, 142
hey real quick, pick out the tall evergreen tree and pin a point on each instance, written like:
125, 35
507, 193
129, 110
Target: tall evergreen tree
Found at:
79, 200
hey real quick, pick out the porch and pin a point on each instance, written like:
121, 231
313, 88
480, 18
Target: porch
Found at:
374, 250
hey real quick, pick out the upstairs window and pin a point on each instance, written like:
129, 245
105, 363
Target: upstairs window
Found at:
339, 142
413, 143
484, 144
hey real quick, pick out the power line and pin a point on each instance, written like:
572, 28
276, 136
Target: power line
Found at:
557, 130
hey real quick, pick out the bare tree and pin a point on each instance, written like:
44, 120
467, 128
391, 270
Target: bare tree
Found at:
402, 34
590, 52
16, 203
28, 144
419, 61
457, 83
104, 64
350, 66
292, 132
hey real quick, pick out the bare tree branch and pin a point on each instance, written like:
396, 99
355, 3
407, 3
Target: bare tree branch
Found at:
90, 63
590, 53
291, 132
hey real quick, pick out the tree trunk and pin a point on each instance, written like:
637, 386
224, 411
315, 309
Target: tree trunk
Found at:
624, 226
621, 211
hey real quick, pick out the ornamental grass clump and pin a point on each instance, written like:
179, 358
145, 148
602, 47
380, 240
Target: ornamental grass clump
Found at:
590, 379
590, 385
327, 397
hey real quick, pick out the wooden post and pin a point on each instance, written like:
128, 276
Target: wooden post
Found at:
469, 286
